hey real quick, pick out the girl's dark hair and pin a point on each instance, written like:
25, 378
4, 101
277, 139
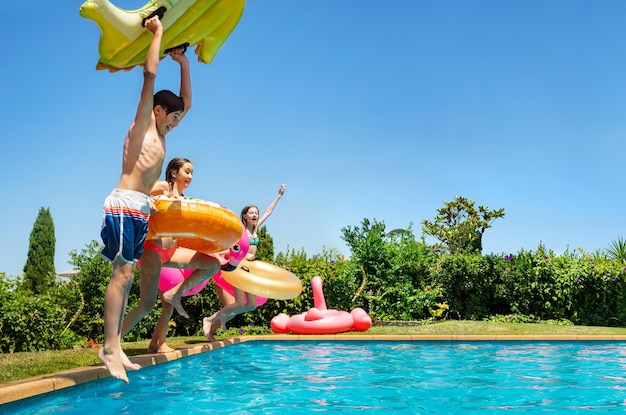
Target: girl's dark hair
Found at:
172, 168
244, 211
169, 101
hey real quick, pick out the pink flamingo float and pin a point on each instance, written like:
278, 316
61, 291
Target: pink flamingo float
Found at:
320, 320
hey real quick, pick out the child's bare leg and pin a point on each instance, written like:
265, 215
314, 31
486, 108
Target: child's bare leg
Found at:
210, 325
224, 296
115, 301
173, 296
217, 320
157, 344
205, 267
148, 290
243, 302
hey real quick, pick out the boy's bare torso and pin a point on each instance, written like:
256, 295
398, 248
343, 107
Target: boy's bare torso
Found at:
142, 160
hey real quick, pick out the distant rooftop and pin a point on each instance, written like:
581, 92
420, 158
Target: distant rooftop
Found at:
68, 273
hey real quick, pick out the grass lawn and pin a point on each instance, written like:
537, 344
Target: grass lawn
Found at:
24, 365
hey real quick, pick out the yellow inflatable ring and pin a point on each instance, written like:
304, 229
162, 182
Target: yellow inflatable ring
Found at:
198, 224
124, 41
265, 280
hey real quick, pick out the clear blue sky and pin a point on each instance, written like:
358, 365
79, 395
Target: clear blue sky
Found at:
365, 109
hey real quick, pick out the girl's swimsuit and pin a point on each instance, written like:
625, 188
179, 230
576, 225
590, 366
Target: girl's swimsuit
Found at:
164, 253
254, 241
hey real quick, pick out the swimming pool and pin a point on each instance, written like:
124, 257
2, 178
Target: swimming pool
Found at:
418, 377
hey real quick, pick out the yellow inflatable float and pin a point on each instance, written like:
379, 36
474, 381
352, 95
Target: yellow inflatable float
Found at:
124, 42
265, 280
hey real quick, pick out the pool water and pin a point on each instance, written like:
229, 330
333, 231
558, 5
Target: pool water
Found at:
430, 377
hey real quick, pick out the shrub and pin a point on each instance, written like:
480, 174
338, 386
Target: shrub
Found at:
469, 285
30, 324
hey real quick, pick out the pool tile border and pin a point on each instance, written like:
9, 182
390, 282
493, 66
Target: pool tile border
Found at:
26, 388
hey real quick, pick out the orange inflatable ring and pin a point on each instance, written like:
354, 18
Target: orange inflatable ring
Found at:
198, 224
263, 279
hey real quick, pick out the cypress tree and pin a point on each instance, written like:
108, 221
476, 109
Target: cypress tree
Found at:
39, 272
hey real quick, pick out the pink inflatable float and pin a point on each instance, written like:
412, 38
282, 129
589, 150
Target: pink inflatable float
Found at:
171, 277
320, 320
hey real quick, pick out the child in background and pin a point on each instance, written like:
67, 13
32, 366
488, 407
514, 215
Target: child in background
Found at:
241, 302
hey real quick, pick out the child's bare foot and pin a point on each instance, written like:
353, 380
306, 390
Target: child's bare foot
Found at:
171, 298
127, 363
113, 361
207, 324
163, 348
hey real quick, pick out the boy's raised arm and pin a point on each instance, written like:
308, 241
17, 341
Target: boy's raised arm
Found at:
144, 110
185, 77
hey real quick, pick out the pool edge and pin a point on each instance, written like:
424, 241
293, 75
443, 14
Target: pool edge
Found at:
26, 388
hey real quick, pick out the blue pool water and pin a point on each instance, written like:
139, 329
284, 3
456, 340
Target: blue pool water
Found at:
427, 377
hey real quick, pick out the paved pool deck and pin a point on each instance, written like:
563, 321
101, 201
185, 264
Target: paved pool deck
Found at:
22, 389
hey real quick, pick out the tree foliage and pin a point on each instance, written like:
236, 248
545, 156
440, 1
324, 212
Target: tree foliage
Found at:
617, 250
39, 272
92, 281
459, 226
387, 274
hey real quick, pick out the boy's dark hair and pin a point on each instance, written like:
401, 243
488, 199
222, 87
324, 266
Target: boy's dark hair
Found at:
169, 101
